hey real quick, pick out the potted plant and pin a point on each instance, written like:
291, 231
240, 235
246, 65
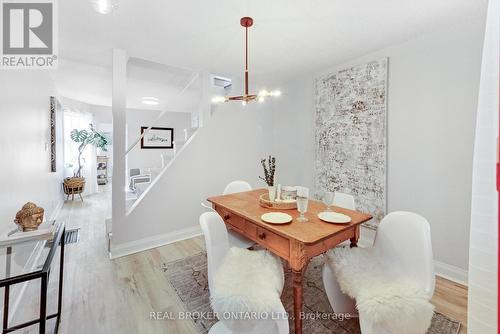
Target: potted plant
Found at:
269, 167
75, 185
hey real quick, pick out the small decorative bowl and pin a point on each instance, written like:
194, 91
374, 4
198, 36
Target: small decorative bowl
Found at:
279, 205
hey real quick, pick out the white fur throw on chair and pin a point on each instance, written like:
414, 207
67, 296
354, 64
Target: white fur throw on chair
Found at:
247, 281
382, 296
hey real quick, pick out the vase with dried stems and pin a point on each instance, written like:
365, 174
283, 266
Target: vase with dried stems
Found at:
269, 167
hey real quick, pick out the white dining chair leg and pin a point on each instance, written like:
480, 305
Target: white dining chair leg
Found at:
340, 302
368, 327
219, 328
282, 320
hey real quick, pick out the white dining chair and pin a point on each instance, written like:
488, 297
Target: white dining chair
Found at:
392, 282
343, 200
237, 187
231, 271
236, 239
341, 303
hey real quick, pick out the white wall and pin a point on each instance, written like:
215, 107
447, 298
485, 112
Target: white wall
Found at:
226, 149
293, 134
24, 144
147, 158
432, 98
482, 304
102, 114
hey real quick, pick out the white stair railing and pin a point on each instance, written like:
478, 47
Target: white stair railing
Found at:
177, 153
178, 145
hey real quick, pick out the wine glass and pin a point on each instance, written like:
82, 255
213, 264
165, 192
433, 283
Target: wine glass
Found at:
302, 208
328, 199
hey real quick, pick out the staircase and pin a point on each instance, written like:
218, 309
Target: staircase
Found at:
137, 214
142, 189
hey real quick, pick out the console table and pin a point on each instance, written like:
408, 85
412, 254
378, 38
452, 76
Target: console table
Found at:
15, 275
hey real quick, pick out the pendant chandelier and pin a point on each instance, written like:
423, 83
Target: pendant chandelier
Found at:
247, 22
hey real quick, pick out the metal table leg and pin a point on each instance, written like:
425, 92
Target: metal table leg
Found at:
43, 302
61, 278
7, 290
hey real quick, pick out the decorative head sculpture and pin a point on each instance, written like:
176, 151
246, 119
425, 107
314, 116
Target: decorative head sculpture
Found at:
29, 217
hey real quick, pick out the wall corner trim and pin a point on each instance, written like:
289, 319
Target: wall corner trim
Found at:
144, 244
450, 272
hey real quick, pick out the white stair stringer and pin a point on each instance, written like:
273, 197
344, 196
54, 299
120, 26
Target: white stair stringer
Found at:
189, 132
177, 151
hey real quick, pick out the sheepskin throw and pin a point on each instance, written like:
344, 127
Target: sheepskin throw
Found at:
382, 295
247, 281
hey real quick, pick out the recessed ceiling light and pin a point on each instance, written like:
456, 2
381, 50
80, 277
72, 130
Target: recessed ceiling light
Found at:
149, 100
104, 6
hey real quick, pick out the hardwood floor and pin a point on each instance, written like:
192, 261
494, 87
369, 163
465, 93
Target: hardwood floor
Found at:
450, 298
104, 296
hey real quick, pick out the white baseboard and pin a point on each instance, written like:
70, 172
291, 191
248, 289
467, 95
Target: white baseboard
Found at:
444, 270
140, 245
452, 273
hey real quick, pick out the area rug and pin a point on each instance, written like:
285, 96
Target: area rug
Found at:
189, 279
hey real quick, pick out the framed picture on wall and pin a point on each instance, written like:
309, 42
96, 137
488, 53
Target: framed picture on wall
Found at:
54, 105
162, 138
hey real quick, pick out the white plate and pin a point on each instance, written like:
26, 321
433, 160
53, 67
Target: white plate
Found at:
334, 217
276, 218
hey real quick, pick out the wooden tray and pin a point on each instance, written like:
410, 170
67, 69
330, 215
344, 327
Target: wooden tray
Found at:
266, 203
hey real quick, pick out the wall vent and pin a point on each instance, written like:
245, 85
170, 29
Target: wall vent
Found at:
219, 81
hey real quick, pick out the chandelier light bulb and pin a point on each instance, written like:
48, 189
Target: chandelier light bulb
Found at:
218, 99
244, 103
276, 93
263, 93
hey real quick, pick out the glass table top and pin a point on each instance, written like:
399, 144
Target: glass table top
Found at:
27, 256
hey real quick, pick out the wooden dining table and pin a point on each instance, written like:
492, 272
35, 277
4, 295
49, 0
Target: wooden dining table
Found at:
295, 242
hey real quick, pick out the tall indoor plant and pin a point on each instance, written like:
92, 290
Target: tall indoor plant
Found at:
84, 138
75, 185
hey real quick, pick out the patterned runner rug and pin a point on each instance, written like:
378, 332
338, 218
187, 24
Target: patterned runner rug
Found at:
189, 279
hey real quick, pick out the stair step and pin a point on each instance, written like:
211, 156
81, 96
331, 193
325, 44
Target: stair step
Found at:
188, 132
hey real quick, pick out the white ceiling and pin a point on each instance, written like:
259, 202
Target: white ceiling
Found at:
289, 37
92, 84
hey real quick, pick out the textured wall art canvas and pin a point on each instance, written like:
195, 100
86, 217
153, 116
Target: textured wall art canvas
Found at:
351, 108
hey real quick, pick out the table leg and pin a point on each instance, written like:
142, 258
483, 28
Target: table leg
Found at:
43, 303
298, 299
7, 290
61, 278
354, 240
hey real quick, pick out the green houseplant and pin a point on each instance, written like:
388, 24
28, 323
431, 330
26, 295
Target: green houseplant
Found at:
84, 138
75, 185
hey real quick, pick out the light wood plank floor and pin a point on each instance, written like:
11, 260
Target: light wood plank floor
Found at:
104, 296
